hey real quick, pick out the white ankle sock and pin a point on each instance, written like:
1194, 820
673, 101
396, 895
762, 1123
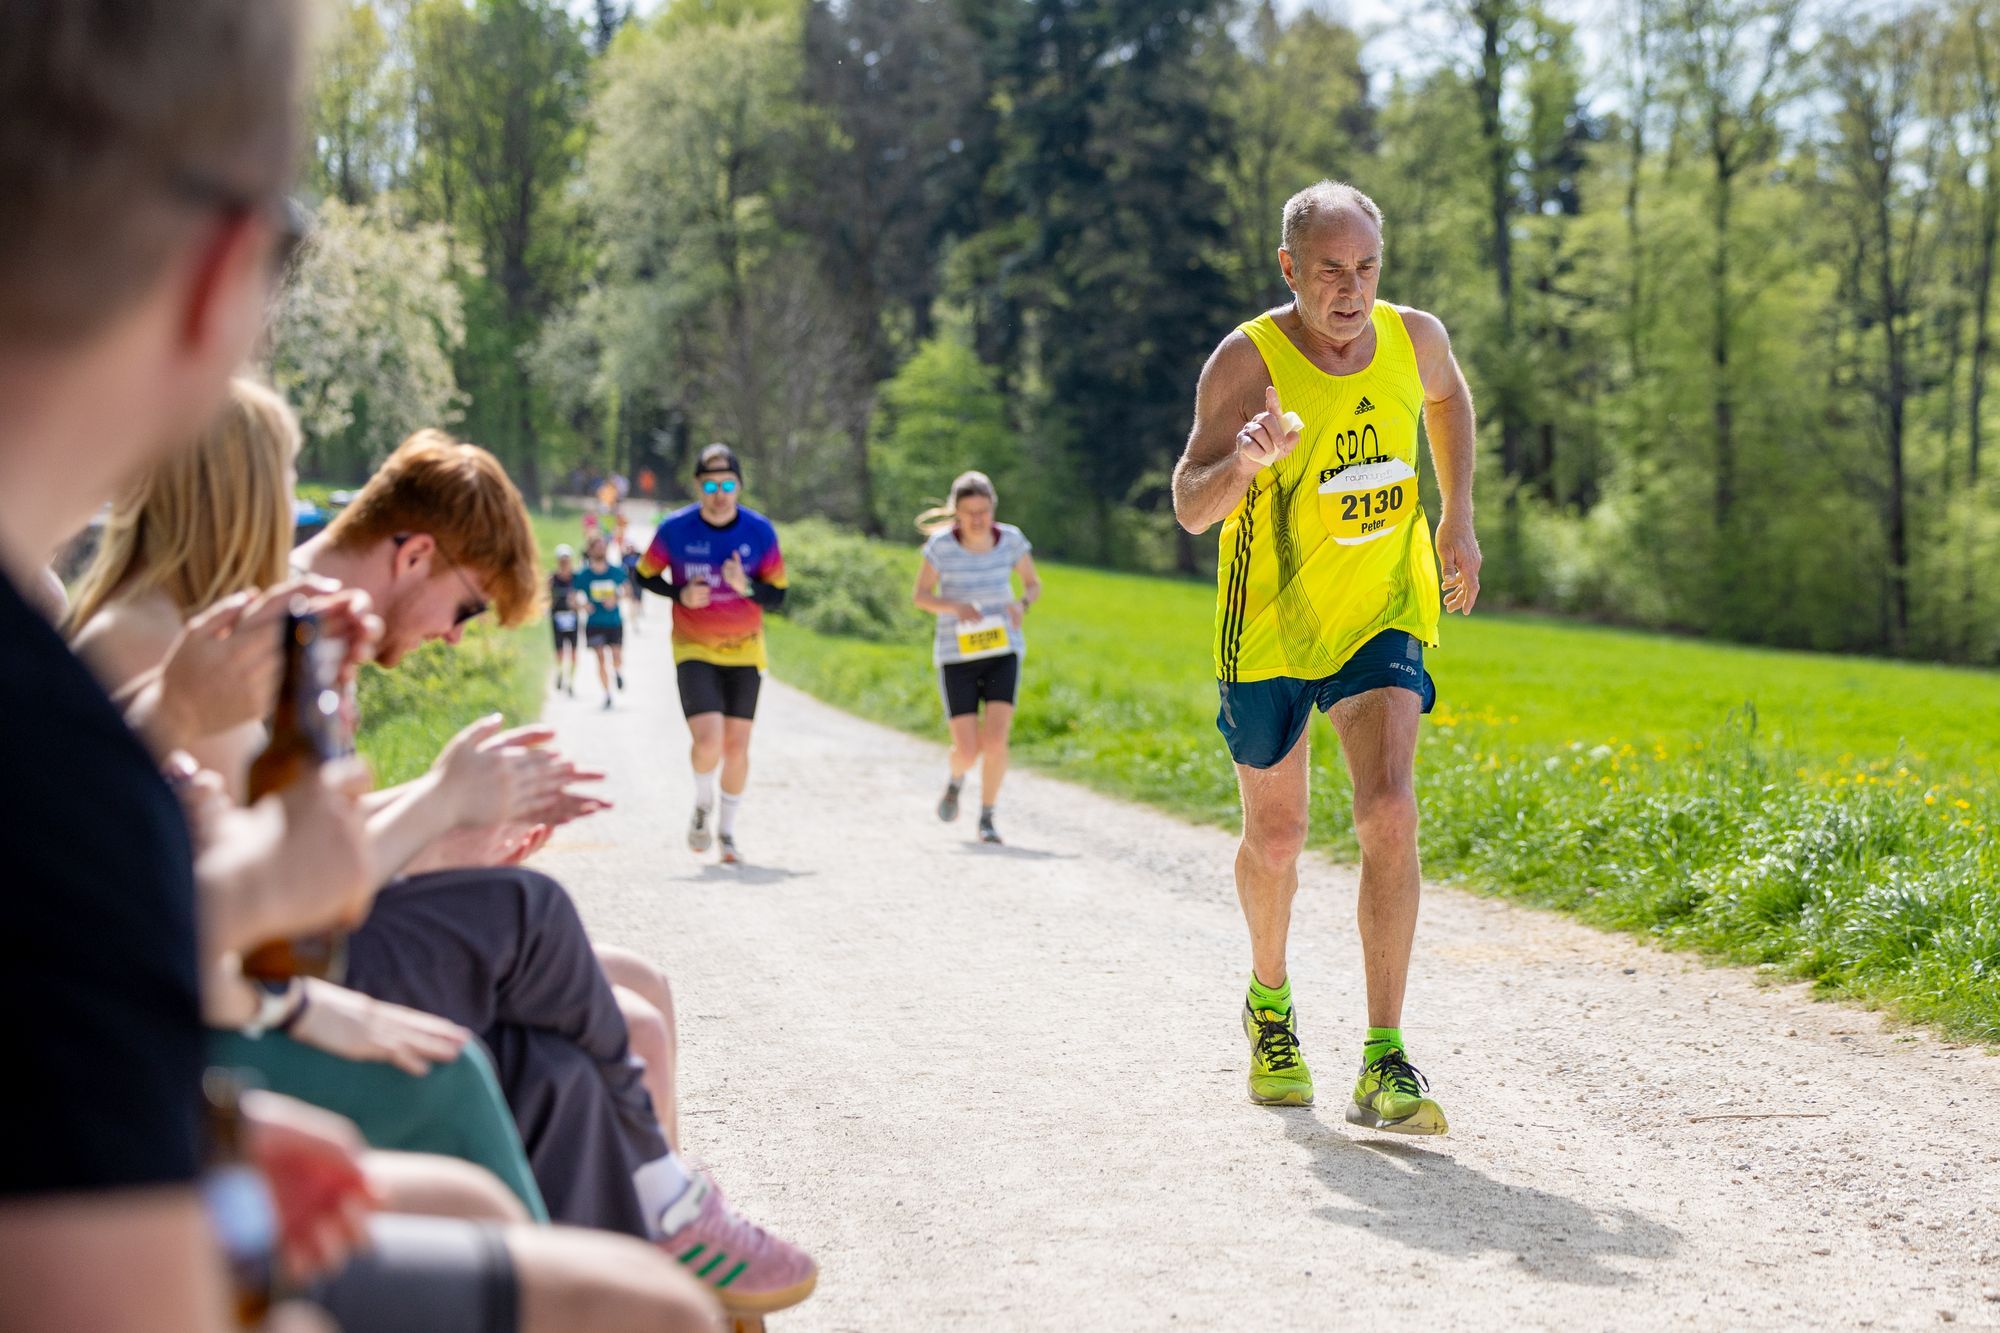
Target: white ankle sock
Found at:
704, 788
659, 1184
725, 823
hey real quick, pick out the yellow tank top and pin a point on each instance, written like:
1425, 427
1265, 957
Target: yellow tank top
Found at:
1329, 547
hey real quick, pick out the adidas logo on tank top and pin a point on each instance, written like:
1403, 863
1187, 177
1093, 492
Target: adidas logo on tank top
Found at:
1363, 406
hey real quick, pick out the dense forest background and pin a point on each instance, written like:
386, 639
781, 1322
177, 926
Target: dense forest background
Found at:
1722, 286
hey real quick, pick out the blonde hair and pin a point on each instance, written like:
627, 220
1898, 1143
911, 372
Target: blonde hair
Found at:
462, 497
213, 520
941, 517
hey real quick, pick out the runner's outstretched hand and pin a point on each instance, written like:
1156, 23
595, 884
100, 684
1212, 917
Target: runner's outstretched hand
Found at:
1459, 559
1267, 437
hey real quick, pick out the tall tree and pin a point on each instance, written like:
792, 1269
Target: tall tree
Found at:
1105, 139
356, 115
1886, 156
500, 88
886, 175
1736, 60
1295, 99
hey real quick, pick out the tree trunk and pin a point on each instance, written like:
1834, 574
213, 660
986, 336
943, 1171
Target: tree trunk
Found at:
1725, 443
1491, 16
1982, 299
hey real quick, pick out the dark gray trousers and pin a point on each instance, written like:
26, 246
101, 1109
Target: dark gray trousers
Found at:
502, 951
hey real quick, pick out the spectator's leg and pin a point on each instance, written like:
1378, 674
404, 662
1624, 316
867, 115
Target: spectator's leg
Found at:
436, 1186
629, 972
653, 1045
493, 947
457, 1109
578, 1136
574, 1280
442, 1275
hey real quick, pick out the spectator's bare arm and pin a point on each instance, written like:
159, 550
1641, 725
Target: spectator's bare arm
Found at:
157, 1242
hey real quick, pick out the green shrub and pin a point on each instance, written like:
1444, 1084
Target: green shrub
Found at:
846, 585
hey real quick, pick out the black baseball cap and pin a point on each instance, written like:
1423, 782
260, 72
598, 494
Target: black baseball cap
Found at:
717, 458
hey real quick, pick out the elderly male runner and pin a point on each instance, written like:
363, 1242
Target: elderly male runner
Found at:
1305, 446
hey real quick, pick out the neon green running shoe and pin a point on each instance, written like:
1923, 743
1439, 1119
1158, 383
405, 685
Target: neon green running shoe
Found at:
1389, 1096
1278, 1073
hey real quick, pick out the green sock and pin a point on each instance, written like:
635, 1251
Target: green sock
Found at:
1380, 1042
1276, 998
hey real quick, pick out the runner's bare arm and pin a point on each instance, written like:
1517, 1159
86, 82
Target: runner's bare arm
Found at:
1448, 420
1239, 428
927, 599
1031, 582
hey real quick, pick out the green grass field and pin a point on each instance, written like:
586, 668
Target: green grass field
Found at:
1828, 817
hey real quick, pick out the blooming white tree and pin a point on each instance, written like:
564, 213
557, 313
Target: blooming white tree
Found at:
364, 334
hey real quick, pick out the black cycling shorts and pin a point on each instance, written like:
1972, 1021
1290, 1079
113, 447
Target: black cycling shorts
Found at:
604, 636
565, 638
965, 685
728, 690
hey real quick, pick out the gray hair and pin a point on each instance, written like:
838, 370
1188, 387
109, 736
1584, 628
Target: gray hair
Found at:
1328, 196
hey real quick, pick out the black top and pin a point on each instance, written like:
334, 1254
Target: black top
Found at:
560, 586
100, 1012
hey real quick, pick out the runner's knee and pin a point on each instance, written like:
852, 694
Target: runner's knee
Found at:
1386, 818
1275, 840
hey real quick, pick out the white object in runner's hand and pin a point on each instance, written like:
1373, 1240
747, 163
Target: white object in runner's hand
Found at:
1294, 422
984, 637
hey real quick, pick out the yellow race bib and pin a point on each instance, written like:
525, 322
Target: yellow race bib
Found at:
985, 637
1364, 501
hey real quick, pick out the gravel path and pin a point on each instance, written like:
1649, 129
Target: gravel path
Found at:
1003, 1089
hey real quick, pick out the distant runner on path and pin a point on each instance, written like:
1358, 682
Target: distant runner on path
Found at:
720, 563
1305, 446
597, 591
967, 581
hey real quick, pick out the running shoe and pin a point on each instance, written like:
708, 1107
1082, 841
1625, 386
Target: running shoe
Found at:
1278, 1073
1389, 1096
572, 689
607, 701
730, 856
750, 1271
700, 835
987, 833
621, 680
948, 803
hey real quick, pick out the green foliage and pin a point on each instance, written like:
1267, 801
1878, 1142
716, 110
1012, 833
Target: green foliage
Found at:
1720, 277
941, 415
844, 584
410, 711
364, 335
1831, 817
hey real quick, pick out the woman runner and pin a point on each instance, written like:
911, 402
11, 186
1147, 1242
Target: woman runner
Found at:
966, 580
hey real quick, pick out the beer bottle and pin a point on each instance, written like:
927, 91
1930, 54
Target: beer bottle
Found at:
238, 1202
307, 730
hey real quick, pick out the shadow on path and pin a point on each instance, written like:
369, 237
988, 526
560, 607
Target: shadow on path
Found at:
713, 873
971, 847
1427, 1200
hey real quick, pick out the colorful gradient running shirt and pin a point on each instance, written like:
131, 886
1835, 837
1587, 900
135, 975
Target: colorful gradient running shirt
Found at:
729, 631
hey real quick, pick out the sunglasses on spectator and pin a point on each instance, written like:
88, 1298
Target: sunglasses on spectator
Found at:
727, 487
475, 605
289, 221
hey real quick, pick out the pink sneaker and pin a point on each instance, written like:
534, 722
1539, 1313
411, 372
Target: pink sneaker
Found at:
750, 1270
